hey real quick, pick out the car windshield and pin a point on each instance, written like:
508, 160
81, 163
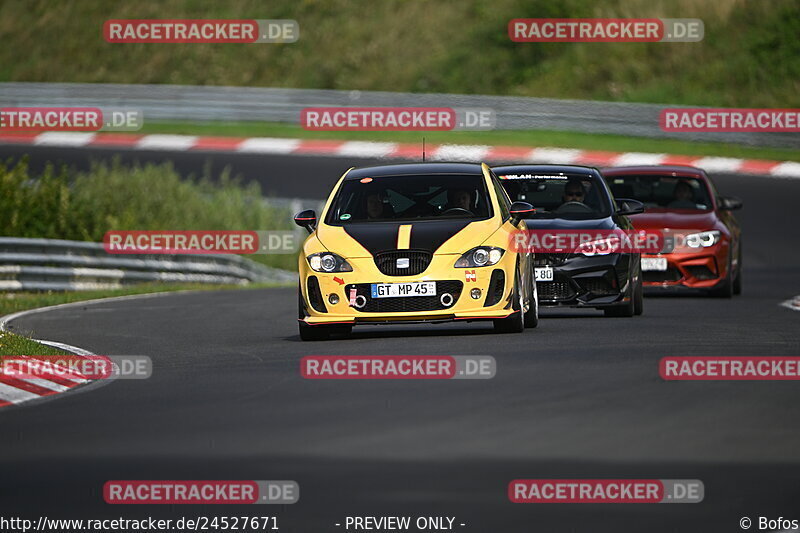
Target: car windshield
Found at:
669, 192
418, 197
575, 196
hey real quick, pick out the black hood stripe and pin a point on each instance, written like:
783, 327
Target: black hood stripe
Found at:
379, 237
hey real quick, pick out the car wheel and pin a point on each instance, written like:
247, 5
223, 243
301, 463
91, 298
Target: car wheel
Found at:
625, 310
737, 281
638, 299
532, 316
638, 294
515, 322
316, 333
724, 289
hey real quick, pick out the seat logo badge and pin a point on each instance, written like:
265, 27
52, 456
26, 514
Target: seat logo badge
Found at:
403, 262
470, 275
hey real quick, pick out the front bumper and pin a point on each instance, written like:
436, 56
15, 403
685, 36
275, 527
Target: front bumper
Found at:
494, 282
695, 270
580, 281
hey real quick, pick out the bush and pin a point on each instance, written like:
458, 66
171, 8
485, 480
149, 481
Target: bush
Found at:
113, 197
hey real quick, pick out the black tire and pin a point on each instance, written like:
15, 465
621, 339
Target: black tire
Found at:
532, 316
625, 310
321, 333
312, 333
316, 333
638, 293
638, 299
737, 281
725, 288
515, 322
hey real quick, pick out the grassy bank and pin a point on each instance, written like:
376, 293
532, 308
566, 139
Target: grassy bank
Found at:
541, 138
749, 57
84, 206
11, 344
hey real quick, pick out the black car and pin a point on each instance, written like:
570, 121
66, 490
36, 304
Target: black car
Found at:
576, 199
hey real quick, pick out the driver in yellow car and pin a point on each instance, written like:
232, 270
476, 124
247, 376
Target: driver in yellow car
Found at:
461, 199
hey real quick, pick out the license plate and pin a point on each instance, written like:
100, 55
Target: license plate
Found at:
654, 263
397, 290
543, 274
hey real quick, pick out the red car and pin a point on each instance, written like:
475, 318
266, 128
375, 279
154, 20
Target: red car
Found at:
702, 245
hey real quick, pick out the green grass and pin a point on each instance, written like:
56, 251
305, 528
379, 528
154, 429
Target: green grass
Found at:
539, 138
749, 57
11, 344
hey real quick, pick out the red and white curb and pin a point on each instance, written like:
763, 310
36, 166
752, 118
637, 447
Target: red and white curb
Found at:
15, 391
391, 150
793, 304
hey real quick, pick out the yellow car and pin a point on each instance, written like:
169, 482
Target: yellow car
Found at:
414, 243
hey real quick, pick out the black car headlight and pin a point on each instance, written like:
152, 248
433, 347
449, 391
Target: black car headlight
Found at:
480, 257
328, 262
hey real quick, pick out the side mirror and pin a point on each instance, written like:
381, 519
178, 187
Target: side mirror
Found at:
629, 206
306, 219
520, 210
729, 203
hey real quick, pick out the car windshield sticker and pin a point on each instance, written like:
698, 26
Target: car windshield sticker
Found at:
345, 216
533, 177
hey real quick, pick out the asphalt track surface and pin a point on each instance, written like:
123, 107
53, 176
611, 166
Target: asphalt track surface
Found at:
578, 397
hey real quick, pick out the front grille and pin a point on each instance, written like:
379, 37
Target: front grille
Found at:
597, 286
549, 259
406, 304
554, 290
315, 295
418, 261
700, 272
656, 276
497, 286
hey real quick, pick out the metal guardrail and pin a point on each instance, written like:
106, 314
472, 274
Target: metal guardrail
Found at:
59, 265
208, 103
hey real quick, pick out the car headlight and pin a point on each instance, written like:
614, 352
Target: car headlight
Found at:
328, 262
480, 257
606, 246
704, 239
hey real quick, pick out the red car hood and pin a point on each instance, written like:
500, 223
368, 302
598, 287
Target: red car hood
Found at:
662, 218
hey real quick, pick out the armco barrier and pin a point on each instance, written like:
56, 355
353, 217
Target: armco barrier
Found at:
59, 265
208, 103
